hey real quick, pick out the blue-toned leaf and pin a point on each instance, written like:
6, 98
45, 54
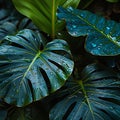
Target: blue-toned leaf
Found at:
103, 36
31, 70
94, 97
6, 29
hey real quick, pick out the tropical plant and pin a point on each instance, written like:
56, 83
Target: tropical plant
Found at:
46, 73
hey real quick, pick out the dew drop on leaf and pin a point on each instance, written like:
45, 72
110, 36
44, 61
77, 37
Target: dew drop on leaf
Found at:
74, 26
94, 45
114, 38
107, 28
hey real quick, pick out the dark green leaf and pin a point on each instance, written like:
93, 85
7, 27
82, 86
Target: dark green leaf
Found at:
30, 70
94, 97
43, 12
6, 29
103, 35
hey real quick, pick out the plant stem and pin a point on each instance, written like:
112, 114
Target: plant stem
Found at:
86, 97
53, 19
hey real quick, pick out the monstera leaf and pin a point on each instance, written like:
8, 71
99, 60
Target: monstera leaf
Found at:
31, 70
43, 12
6, 29
94, 97
103, 35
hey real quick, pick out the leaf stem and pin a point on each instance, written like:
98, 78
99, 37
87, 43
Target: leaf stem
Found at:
53, 19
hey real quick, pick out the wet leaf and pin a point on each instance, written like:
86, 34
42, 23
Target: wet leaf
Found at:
103, 36
31, 70
7, 29
94, 97
43, 13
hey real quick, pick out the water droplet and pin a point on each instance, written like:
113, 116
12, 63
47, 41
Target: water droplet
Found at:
114, 38
74, 33
107, 28
74, 26
70, 9
94, 45
81, 15
59, 34
118, 42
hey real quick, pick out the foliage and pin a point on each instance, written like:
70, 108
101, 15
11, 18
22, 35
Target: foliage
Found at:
43, 13
27, 61
102, 34
45, 72
93, 97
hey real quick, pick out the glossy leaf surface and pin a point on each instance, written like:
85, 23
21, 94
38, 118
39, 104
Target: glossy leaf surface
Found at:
94, 97
43, 12
103, 35
31, 70
6, 29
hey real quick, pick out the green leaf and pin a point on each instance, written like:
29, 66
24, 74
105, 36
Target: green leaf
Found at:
32, 70
94, 97
103, 35
6, 29
43, 13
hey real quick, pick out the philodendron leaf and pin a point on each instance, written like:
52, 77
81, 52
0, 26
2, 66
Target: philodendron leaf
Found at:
43, 12
103, 35
30, 70
95, 97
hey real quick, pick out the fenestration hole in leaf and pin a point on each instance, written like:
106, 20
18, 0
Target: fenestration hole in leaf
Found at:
62, 53
46, 79
31, 89
41, 47
21, 36
59, 66
69, 111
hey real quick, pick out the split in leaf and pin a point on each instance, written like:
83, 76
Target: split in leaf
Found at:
31, 70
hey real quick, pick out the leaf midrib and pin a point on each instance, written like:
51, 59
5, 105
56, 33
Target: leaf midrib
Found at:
108, 36
29, 67
86, 97
53, 19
